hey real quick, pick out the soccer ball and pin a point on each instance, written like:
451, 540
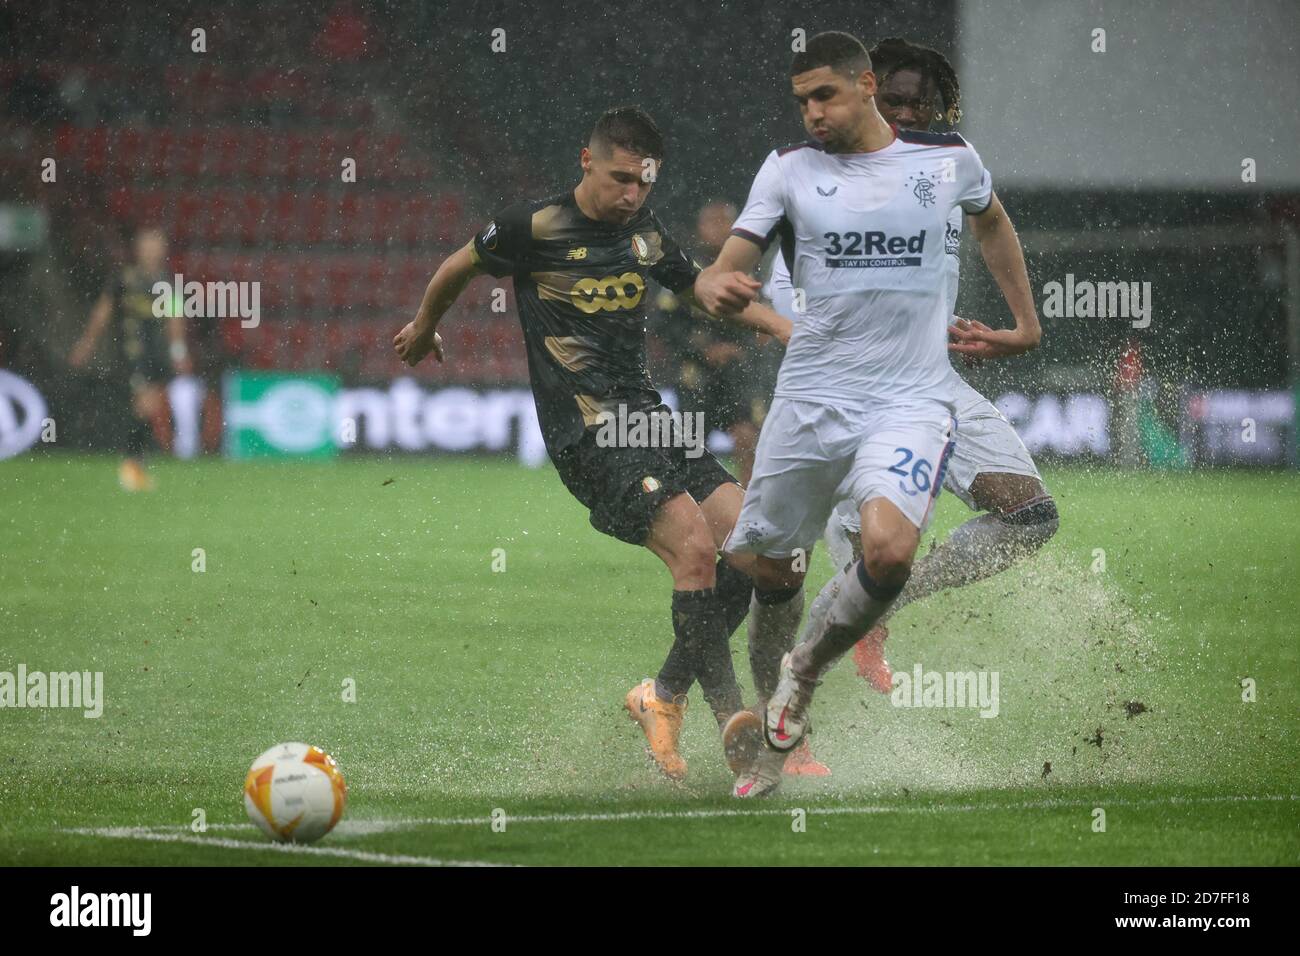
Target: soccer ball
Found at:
295, 793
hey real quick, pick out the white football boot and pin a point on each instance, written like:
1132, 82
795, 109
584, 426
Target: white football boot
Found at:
785, 720
763, 775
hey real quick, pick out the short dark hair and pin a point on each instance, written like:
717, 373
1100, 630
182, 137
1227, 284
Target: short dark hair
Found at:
842, 52
629, 127
893, 54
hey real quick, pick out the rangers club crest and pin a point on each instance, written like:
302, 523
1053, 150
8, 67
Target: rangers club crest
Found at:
923, 190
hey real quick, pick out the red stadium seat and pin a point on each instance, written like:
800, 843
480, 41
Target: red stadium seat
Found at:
328, 150
284, 224
251, 213
348, 221
307, 282
416, 221
376, 292
387, 207
216, 224
315, 217
93, 148
158, 145
412, 279
255, 146
126, 153
276, 276
339, 284
191, 152
188, 216
120, 202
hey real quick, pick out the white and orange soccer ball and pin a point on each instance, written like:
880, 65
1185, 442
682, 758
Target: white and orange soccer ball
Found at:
295, 793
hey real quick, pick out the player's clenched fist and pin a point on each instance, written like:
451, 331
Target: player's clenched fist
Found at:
412, 345
725, 293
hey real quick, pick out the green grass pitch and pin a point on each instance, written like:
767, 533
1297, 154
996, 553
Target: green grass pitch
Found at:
479, 690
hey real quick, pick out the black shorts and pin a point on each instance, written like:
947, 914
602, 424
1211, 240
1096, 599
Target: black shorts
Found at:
144, 377
729, 395
624, 487
148, 368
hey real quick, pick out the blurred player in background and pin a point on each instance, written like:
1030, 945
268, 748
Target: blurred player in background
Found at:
151, 349
717, 369
865, 400
580, 261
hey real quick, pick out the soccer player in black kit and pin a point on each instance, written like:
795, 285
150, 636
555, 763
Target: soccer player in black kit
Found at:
580, 261
151, 348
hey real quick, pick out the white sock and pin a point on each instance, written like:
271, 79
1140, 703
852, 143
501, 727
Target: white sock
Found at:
821, 605
773, 626
856, 603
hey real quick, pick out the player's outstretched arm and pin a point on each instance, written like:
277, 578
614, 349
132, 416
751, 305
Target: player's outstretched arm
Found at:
726, 288
1000, 247
420, 336
99, 316
763, 318
757, 316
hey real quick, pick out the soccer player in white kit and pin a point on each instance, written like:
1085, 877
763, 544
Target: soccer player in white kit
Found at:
865, 399
990, 470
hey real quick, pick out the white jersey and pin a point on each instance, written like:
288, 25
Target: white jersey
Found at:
866, 237
779, 290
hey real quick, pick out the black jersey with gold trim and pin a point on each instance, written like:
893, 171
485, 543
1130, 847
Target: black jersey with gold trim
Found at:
580, 286
141, 336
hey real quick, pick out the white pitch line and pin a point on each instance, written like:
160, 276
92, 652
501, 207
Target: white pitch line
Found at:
365, 827
364, 856
722, 813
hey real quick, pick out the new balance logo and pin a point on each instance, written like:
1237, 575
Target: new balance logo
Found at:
577, 254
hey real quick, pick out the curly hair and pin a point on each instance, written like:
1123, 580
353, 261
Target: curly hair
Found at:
894, 53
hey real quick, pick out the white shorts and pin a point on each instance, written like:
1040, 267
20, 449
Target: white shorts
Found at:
810, 455
988, 444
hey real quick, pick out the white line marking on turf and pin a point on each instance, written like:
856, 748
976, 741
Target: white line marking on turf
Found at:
225, 843
720, 813
364, 827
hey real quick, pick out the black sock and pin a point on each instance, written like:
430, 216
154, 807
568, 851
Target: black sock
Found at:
700, 640
734, 590
139, 437
678, 671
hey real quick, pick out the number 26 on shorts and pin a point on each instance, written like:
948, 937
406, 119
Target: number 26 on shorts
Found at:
919, 476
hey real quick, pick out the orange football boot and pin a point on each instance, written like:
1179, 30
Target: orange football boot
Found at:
801, 763
742, 740
662, 724
869, 656
132, 476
